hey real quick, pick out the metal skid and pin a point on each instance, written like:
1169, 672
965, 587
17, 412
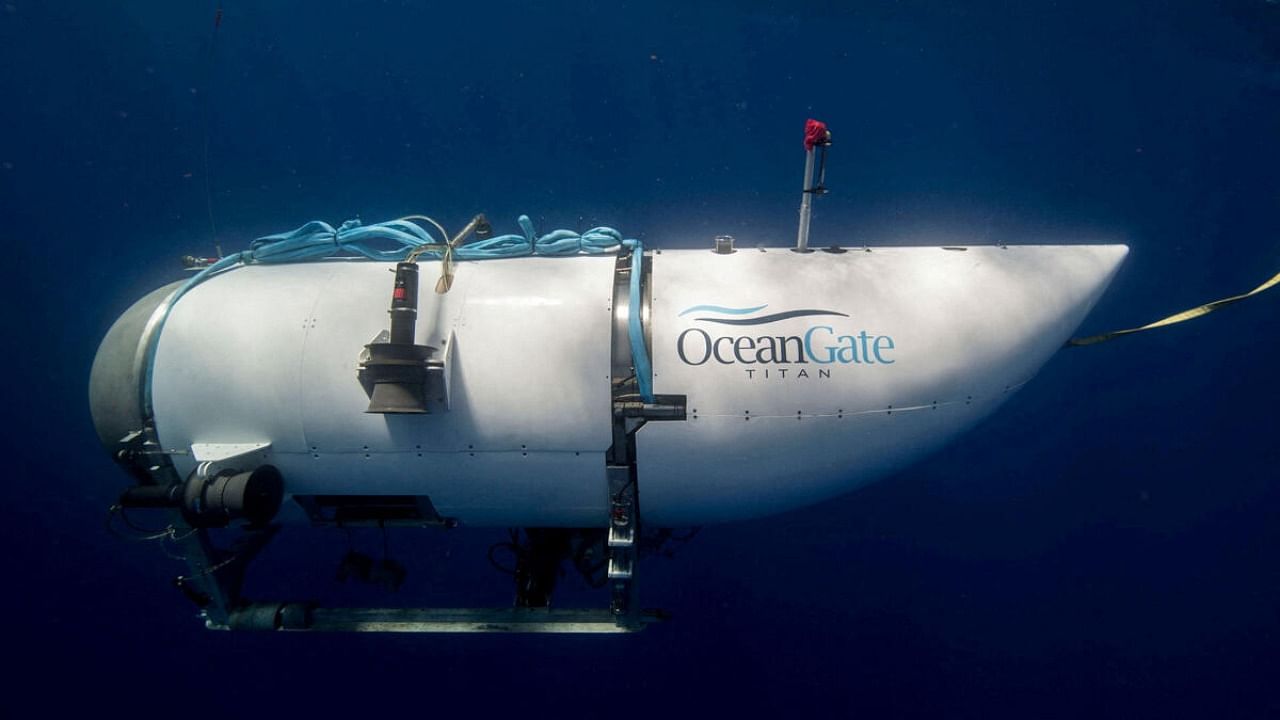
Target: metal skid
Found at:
215, 576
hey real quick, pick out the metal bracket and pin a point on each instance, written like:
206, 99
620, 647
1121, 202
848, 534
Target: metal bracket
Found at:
443, 370
621, 539
630, 413
439, 380
221, 452
149, 463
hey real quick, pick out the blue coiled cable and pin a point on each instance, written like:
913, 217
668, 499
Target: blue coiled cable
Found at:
318, 239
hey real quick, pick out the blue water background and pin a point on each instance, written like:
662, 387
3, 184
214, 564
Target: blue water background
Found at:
1106, 545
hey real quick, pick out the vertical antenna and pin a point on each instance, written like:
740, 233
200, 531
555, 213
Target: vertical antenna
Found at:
208, 84
816, 135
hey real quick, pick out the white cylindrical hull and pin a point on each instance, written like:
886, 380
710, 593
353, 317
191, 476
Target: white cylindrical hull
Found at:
834, 370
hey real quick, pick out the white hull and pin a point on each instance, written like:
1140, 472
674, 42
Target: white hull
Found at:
912, 346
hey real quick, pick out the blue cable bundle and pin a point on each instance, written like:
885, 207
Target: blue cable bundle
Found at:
596, 241
318, 239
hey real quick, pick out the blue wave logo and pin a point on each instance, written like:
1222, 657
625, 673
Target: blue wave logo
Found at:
758, 320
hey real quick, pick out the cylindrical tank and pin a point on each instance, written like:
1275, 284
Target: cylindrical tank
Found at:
805, 375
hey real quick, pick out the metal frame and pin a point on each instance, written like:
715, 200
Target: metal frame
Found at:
215, 576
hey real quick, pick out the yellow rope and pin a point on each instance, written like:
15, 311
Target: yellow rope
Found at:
1173, 319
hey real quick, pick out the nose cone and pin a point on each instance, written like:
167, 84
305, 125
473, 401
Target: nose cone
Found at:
1106, 260
1026, 301
1080, 272
810, 375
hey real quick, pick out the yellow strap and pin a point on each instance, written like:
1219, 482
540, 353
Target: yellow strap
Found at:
1173, 319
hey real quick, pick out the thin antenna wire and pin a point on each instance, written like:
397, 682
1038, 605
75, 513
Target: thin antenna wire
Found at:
208, 84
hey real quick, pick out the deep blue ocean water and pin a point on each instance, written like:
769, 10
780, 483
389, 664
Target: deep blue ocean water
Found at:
1106, 545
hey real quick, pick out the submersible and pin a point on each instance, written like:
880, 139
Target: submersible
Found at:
579, 386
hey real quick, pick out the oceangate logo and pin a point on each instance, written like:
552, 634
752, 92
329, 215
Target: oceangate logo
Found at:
820, 344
